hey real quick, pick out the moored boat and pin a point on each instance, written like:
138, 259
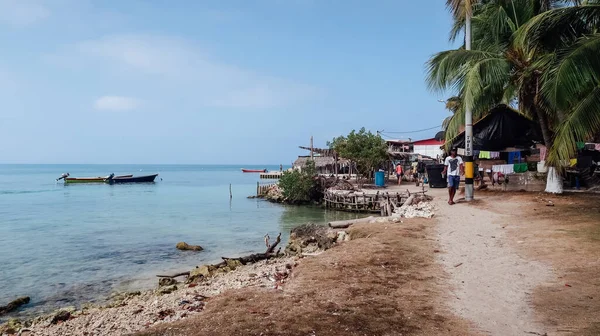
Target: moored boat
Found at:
99, 179
130, 179
253, 170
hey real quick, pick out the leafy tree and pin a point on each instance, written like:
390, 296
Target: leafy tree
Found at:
539, 55
364, 148
300, 186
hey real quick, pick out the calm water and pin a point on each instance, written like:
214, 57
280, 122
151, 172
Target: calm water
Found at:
63, 245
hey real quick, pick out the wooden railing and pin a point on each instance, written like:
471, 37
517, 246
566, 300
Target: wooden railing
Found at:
381, 202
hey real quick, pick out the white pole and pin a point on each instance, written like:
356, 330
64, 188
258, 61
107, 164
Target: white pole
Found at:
469, 173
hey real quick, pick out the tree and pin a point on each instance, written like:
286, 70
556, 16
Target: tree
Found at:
520, 50
300, 186
364, 148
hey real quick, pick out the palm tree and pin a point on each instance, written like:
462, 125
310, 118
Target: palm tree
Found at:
515, 60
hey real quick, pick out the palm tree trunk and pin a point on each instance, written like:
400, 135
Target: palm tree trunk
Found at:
554, 182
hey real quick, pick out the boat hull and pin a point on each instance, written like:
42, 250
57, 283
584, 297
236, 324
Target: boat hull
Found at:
134, 179
99, 179
254, 170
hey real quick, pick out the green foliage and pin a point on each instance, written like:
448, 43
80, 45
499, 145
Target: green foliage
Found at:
538, 54
300, 186
364, 148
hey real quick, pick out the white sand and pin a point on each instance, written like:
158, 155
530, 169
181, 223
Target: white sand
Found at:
492, 285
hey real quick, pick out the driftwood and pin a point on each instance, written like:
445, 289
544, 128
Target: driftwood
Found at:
174, 275
343, 224
252, 258
14, 305
409, 201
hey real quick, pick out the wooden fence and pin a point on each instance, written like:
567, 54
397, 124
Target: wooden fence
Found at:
262, 188
381, 202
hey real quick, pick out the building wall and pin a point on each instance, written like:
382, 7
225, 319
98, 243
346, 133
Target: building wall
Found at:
432, 151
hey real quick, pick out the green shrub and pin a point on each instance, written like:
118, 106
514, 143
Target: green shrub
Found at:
300, 186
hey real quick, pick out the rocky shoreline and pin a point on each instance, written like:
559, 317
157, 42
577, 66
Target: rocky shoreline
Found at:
175, 300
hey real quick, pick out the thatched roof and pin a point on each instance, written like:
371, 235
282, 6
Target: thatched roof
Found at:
320, 161
320, 151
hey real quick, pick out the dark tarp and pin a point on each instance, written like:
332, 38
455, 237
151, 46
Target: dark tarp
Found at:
502, 128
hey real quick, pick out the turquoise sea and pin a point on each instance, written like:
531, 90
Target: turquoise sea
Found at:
63, 245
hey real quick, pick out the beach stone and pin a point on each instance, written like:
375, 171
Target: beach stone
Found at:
11, 327
167, 289
61, 316
187, 247
166, 282
14, 304
204, 271
233, 263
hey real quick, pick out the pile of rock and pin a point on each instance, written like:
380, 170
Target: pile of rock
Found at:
274, 194
312, 238
419, 210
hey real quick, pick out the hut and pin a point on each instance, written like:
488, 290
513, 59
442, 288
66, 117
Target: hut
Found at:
323, 164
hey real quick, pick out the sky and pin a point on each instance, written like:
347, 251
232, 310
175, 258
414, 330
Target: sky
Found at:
211, 82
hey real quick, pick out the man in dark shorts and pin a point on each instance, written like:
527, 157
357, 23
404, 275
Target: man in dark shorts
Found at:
454, 168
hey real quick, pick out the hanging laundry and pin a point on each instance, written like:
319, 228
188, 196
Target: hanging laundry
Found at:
504, 169
461, 151
484, 155
580, 145
520, 167
597, 147
494, 155
573, 162
475, 153
514, 157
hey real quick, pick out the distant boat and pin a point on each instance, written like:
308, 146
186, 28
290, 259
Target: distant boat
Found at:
98, 179
130, 179
254, 170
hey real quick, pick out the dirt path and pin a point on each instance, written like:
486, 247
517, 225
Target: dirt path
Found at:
491, 284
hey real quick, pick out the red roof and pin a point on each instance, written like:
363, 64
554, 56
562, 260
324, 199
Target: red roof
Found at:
427, 142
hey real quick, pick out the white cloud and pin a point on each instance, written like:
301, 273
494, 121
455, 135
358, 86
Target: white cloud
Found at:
22, 12
116, 103
175, 62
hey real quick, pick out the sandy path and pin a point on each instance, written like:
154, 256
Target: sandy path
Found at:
492, 286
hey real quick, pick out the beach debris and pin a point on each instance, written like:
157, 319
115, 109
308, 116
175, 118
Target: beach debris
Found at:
174, 275
458, 264
343, 224
418, 207
14, 304
183, 246
230, 264
162, 282
165, 313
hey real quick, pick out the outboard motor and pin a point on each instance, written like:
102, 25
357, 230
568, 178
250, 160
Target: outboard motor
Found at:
63, 176
109, 179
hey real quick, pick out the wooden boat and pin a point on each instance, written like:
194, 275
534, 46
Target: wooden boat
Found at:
98, 179
254, 170
131, 179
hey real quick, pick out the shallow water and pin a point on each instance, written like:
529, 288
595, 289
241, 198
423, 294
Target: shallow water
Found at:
67, 244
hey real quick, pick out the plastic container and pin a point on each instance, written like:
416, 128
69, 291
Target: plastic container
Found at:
541, 167
434, 175
380, 179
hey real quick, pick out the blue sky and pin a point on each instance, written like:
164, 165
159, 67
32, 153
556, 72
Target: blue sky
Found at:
152, 81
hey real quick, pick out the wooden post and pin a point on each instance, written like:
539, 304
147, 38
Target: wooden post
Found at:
230, 196
257, 189
311, 149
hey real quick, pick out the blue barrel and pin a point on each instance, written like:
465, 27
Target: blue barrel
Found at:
380, 179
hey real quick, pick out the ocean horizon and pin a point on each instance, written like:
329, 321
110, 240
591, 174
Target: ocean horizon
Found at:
64, 245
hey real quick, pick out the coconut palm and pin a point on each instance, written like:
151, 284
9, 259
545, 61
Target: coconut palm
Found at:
517, 61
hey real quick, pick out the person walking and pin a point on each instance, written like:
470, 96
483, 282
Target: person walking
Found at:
399, 173
454, 168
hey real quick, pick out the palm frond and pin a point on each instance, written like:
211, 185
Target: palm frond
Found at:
576, 71
558, 27
581, 124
